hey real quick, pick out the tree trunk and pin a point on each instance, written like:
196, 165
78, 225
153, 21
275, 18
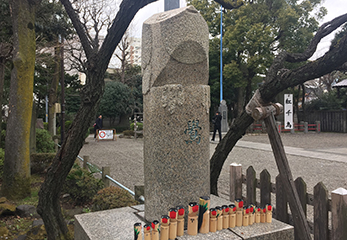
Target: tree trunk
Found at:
236, 131
53, 89
240, 101
97, 62
33, 130
49, 205
2, 80
16, 180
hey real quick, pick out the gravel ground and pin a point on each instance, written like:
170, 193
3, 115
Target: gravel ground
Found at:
331, 173
125, 157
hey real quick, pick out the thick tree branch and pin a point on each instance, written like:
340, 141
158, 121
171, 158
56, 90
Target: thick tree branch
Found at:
78, 26
126, 13
322, 32
332, 60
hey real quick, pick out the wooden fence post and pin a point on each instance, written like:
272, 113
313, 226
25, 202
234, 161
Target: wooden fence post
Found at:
263, 127
302, 126
292, 131
106, 171
251, 186
279, 128
318, 126
305, 127
281, 201
235, 181
301, 188
85, 160
339, 214
321, 212
265, 188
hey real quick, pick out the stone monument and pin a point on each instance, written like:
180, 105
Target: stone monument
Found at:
171, 4
223, 109
176, 99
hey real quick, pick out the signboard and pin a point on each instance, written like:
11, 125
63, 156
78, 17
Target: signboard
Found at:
105, 134
288, 111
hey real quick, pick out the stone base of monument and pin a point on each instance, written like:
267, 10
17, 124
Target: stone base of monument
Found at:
118, 224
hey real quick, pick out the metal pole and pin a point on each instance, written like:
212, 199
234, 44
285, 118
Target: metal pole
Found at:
221, 53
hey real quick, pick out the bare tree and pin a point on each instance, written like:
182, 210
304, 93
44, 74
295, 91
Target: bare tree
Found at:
123, 47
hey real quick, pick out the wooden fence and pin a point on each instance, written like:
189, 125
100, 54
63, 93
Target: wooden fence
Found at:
331, 121
323, 207
304, 127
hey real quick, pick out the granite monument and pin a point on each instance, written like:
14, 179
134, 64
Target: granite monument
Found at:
176, 100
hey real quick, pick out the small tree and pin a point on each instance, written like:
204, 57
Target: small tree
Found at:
116, 100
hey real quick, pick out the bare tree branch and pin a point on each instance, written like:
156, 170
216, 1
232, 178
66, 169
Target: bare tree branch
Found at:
322, 32
119, 26
78, 26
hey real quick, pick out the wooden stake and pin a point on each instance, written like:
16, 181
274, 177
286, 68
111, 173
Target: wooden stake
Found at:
193, 210
225, 216
204, 215
180, 221
268, 213
173, 223
232, 216
251, 214
257, 215
137, 231
239, 209
287, 178
219, 218
155, 230
245, 219
164, 228
147, 232
263, 215
213, 220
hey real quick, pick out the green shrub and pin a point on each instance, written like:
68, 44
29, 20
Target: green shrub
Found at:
67, 126
120, 129
3, 137
3, 125
139, 126
45, 125
128, 133
44, 142
112, 197
2, 158
39, 162
81, 185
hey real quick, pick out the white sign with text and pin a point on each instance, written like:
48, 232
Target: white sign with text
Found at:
105, 134
288, 111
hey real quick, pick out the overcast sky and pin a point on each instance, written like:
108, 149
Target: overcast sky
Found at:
335, 8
